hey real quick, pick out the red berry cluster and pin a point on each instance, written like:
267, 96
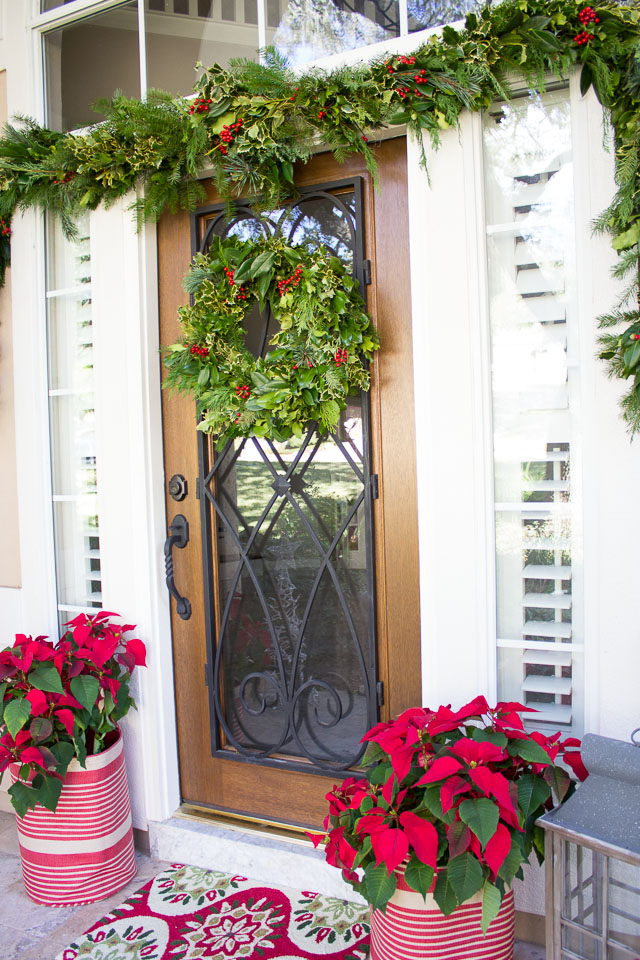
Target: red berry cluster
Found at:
636, 336
402, 61
199, 351
403, 92
583, 37
200, 105
229, 274
228, 135
421, 77
283, 285
241, 295
292, 98
243, 391
340, 357
68, 177
322, 114
5, 229
588, 15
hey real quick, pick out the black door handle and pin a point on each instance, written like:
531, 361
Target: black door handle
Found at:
178, 537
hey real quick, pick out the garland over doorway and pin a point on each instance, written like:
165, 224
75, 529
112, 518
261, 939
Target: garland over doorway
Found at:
252, 122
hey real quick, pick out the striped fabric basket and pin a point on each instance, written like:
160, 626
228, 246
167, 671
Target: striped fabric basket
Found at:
413, 928
84, 851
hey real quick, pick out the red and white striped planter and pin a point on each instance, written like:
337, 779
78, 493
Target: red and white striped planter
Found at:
414, 928
84, 851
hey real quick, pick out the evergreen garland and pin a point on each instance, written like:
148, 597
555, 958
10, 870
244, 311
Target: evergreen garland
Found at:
314, 361
251, 122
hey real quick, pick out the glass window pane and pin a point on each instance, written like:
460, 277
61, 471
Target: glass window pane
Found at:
77, 554
308, 29
433, 13
535, 379
90, 59
52, 4
209, 31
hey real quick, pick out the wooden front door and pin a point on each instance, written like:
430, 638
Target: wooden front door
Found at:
302, 562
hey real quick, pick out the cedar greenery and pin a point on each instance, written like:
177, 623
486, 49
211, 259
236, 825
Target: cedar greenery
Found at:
251, 122
315, 359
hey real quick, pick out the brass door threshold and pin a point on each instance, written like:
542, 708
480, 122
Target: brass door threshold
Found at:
238, 821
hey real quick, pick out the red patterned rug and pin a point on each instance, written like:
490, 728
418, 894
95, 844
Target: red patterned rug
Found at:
186, 913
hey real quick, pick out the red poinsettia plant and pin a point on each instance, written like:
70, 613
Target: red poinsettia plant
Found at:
60, 701
451, 797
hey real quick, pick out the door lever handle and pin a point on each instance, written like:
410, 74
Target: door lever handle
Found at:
178, 537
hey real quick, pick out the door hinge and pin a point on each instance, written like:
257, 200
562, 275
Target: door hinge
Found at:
380, 693
366, 271
373, 486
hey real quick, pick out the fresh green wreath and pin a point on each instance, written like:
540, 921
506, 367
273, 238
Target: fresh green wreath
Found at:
317, 357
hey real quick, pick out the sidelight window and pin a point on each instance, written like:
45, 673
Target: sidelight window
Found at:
530, 228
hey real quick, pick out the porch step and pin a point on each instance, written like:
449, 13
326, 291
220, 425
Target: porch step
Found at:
292, 863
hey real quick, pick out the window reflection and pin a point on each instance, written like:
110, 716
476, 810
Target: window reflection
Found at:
434, 13
309, 29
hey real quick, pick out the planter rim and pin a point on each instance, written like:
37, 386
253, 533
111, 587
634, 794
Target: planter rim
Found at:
94, 761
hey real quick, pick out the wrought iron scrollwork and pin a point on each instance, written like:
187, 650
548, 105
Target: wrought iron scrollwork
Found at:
293, 678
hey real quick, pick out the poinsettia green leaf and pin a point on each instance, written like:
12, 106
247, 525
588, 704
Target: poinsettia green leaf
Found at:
46, 677
511, 863
528, 750
481, 816
491, 900
40, 728
533, 792
419, 875
64, 752
489, 736
465, 875
23, 798
16, 714
559, 781
48, 790
3, 687
380, 885
444, 893
86, 690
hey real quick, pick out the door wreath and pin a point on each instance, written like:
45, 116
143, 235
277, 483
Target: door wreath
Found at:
318, 355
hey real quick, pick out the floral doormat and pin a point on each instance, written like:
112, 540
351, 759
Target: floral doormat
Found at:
188, 912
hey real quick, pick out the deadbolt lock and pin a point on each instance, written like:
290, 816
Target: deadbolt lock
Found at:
177, 487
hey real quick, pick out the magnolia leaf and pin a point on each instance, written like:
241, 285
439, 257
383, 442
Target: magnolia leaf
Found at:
559, 781
243, 272
287, 170
203, 377
46, 677
262, 264
481, 816
419, 875
380, 885
532, 793
444, 894
491, 900
465, 876
16, 714
586, 78
86, 690
264, 282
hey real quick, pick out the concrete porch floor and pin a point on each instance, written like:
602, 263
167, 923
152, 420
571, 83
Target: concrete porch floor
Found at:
29, 931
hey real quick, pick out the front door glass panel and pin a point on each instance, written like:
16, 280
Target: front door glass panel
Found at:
288, 550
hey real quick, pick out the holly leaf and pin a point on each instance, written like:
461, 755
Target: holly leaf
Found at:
85, 689
465, 876
481, 816
627, 239
491, 900
419, 875
46, 677
380, 885
16, 714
